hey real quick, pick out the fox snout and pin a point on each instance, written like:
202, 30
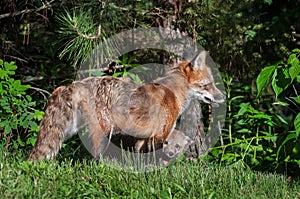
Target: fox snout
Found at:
211, 95
216, 98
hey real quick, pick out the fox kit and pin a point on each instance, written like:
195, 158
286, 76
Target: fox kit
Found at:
107, 104
175, 143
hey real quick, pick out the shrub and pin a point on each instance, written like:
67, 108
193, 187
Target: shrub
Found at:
283, 76
18, 118
264, 132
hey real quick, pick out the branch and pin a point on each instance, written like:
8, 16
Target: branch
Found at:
32, 79
90, 36
17, 58
26, 11
40, 90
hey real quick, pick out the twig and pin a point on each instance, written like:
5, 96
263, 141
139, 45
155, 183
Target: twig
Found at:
89, 36
17, 58
40, 90
32, 79
26, 11
37, 78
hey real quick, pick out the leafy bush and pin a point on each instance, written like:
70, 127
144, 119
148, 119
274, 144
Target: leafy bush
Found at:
282, 76
17, 116
264, 131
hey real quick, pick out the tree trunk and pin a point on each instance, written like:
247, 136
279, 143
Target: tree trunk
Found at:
192, 125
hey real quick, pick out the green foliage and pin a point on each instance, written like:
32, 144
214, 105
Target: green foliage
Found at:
281, 75
260, 133
17, 116
127, 64
78, 28
297, 124
89, 24
264, 78
284, 75
251, 134
241, 34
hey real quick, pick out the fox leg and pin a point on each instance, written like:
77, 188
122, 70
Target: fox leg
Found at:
96, 126
58, 123
139, 144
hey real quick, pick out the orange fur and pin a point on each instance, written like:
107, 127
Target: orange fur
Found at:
147, 112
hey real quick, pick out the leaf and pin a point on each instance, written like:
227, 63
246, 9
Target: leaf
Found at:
24, 123
271, 138
33, 125
244, 108
30, 116
98, 73
3, 73
264, 78
288, 138
241, 122
280, 103
269, 2
38, 114
21, 143
237, 97
250, 34
294, 63
282, 119
296, 50
31, 141
135, 78
10, 67
7, 129
281, 80
244, 130
297, 99
117, 74
19, 87
297, 124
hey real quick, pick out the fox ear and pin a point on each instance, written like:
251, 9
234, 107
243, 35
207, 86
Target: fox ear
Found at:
199, 61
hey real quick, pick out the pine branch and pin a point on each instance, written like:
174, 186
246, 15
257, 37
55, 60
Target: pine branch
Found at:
90, 36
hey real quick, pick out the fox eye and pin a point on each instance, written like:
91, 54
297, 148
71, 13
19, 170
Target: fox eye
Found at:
205, 85
166, 142
177, 146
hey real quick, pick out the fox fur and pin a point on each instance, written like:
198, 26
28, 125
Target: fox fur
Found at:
105, 104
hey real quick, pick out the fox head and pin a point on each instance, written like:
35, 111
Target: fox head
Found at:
176, 143
200, 79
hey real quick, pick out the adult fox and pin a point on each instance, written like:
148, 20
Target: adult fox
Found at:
108, 104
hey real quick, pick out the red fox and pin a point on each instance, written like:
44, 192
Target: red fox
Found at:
175, 143
107, 104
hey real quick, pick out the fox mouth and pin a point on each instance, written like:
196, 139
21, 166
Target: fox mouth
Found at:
211, 102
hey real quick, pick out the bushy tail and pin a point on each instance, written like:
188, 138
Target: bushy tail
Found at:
56, 125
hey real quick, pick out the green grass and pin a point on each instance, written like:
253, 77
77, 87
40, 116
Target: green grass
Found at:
86, 179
